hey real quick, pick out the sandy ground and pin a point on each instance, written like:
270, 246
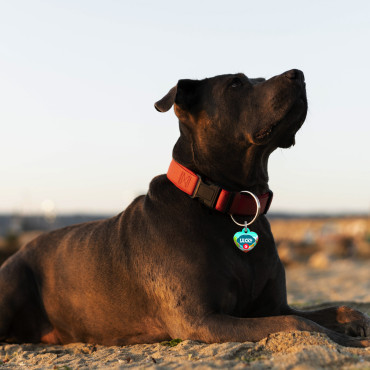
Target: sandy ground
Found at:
345, 281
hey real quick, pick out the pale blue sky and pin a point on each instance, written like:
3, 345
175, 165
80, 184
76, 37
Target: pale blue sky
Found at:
78, 80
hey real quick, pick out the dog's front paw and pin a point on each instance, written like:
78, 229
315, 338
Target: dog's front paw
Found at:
353, 322
354, 342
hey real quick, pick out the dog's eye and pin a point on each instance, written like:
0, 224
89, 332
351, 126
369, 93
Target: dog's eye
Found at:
236, 82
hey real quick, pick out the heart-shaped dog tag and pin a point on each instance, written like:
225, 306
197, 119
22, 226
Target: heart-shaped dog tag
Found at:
245, 240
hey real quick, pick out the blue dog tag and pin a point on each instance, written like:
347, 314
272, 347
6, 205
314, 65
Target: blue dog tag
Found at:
245, 240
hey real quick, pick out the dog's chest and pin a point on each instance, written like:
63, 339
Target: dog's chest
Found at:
245, 282
238, 278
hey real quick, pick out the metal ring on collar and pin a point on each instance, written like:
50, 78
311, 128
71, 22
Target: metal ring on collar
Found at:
255, 216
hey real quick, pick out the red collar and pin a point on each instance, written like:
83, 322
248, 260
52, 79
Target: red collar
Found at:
214, 196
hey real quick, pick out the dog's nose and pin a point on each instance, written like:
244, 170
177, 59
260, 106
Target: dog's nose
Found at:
295, 74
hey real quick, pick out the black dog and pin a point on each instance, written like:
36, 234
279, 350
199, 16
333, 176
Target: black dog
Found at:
167, 267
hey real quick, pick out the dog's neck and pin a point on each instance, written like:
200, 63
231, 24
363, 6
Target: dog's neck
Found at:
243, 172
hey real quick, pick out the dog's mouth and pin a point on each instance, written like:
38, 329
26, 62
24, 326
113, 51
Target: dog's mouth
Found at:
286, 128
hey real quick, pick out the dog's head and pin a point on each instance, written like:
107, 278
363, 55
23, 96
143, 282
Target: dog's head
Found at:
229, 115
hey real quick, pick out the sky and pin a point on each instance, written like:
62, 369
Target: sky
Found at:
78, 80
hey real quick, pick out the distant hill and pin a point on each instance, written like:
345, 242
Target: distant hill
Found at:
18, 223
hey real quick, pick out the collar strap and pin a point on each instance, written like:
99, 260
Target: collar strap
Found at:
214, 196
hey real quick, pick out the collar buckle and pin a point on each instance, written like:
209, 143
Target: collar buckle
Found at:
207, 193
194, 195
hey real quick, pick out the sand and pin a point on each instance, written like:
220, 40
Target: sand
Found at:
346, 281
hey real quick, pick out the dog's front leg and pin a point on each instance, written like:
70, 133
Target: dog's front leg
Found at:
340, 319
223, 328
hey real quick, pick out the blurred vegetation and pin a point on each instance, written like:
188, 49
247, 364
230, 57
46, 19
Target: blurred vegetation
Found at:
9, 244
318, 242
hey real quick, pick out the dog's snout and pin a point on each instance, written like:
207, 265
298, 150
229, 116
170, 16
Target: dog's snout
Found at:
295, 74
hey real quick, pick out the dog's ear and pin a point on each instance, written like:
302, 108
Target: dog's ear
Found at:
183, 94
167, 101
187, 94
